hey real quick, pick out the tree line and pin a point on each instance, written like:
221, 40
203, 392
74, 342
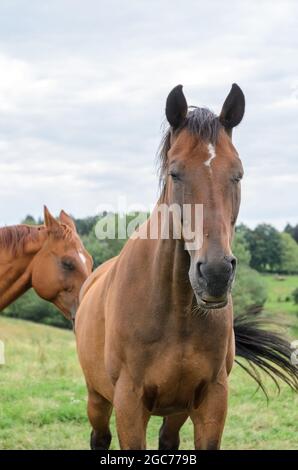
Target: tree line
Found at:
258, 250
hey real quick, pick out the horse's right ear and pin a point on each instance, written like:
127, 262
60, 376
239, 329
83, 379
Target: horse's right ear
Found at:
176, 107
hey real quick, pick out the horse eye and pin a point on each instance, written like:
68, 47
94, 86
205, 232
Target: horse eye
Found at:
174, 175
236, 178
68, 265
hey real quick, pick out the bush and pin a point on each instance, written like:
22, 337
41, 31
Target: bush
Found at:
249, 292
265, 247
241, 249
33, 308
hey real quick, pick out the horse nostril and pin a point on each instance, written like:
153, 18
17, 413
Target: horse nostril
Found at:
233, 263
232, 260
199, 264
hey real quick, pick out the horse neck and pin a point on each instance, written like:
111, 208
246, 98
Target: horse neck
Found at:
170, 268
16, 270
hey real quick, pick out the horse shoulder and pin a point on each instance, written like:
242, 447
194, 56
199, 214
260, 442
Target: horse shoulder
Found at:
97, 274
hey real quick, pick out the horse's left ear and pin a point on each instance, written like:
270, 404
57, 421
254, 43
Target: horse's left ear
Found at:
67, 220
50, 222
233, 108
176, 107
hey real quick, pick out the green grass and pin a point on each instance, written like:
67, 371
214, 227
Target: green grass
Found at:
280, 289
280, 303
43, 395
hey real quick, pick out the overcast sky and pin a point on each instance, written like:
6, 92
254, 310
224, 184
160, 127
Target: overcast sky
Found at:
83, 87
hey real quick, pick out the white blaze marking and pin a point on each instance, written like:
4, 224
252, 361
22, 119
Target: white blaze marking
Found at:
82, 257
212, 153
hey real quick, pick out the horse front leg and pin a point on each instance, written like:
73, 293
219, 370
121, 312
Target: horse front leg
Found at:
131, 415
169, 431
209, 418
99, 413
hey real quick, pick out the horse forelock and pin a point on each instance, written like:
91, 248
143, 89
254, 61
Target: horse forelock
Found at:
200, 122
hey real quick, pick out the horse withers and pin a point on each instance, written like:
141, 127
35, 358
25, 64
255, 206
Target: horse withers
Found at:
155, 329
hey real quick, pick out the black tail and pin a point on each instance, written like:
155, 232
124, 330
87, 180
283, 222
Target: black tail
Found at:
268, 350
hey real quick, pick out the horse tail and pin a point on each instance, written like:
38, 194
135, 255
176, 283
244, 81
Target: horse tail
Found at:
264, 350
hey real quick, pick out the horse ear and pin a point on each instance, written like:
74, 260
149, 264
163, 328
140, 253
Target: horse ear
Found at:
50, 222
67, 220
176, 107
233, 108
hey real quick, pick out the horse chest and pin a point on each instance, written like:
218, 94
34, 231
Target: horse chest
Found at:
171, 363
177, 378
183, 361
175, 352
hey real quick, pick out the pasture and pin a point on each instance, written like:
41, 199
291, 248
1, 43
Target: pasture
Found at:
279, 298
43, 395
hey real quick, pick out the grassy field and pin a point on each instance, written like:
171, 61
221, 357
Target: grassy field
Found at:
280, 304
43, 397
280, 289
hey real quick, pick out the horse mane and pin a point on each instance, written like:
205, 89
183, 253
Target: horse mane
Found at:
200, 122
15, 237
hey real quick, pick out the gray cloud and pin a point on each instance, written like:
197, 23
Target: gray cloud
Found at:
83, 87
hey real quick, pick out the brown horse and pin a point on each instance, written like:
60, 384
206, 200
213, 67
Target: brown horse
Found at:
155, 330
50, 258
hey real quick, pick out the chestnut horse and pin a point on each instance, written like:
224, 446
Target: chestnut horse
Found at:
155, 330
50, 258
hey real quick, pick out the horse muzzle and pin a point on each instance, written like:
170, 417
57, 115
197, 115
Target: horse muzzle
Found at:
212, 281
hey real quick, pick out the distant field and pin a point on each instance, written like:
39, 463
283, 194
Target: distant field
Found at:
43, 397
280, 303
280, 289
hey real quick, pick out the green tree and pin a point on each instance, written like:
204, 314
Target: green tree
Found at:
289, 254
29, 220
86, 225
265, 248
293, 231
